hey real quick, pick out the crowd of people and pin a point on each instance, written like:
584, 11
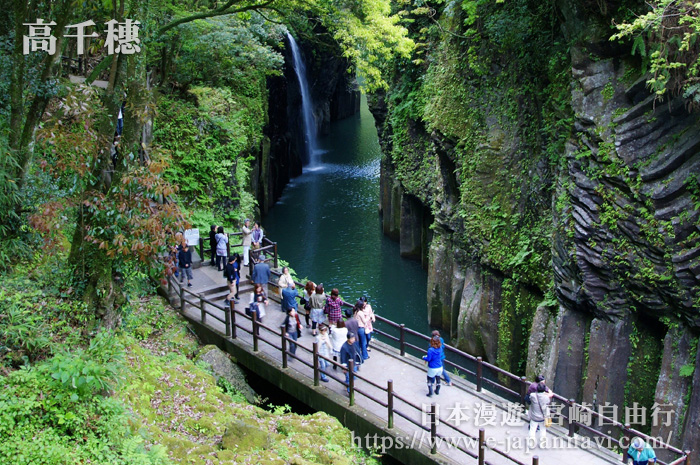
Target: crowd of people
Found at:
340, 333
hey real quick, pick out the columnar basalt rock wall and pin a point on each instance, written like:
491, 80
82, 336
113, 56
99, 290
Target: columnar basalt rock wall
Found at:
585, 161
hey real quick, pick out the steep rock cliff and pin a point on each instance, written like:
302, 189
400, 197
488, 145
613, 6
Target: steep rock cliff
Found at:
563, 200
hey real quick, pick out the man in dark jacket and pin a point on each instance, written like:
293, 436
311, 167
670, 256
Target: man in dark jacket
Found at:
349, 352
212, 244
261, 273
184, 258
231, 273
289, 298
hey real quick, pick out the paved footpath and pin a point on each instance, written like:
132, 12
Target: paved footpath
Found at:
458, 405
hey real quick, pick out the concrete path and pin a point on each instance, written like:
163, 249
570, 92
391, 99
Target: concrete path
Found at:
462, 410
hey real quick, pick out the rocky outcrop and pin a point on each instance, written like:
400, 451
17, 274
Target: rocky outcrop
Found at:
614, 192
223, 367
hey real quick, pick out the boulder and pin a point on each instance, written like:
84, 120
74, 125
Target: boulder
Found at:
223, 367
244, 436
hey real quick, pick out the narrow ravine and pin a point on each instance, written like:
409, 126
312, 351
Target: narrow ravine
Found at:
327, 226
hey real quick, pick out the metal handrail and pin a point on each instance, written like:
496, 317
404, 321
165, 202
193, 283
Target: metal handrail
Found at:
480, 379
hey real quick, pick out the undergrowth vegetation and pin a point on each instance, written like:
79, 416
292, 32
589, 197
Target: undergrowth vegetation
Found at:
72, 392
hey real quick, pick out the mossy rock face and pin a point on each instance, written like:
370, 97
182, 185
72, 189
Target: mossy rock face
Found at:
223, 367
243, 436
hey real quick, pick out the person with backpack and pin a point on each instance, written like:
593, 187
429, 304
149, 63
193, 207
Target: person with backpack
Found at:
221, 249
232, 278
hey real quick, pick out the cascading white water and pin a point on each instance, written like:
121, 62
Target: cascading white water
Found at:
306, 104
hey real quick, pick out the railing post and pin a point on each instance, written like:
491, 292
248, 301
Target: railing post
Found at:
284, 349
628, 441
201, 308
482, 448
227, 318
402, 339
250, 263
256, 329
233, 320
433, 428
390, 404
228, 248
182, 299
572, 422
535, 460
316, 369
351, 381
523, 389
479, 373
275, 249
201, 249
686, 454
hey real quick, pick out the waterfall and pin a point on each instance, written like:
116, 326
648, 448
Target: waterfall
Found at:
306, 104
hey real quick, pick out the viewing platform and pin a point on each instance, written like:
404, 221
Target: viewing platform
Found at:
479, 419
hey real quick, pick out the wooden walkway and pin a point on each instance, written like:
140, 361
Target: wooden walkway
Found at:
462, 411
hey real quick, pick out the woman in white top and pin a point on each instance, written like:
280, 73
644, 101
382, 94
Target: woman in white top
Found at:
286, 279
338, 336
221, 249
370, 318
324, 348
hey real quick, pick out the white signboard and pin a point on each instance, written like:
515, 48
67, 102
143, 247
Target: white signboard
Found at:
192, 237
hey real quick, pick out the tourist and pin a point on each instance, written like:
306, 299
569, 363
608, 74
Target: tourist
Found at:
247, 234
184, 258
317, 302
361, 318
532, 389
434, 362
539, 410
256, 240
285, 278
448, 381
640, 453
325, 348
338, 336
237, 265
305, 304
291, 327
352, 324
258, 301
231, 274
289, 298
212, 244
334, 305
348, 352
370, 318
221, 249
261, 273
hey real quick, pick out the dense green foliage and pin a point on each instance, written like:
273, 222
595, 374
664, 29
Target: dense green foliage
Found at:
666, 37
507, 132
132, 396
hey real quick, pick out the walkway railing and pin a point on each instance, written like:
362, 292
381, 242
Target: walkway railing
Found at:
563, 415
401, 334
388, 399
268, 248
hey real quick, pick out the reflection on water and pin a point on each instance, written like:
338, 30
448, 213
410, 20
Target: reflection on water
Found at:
328, 228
